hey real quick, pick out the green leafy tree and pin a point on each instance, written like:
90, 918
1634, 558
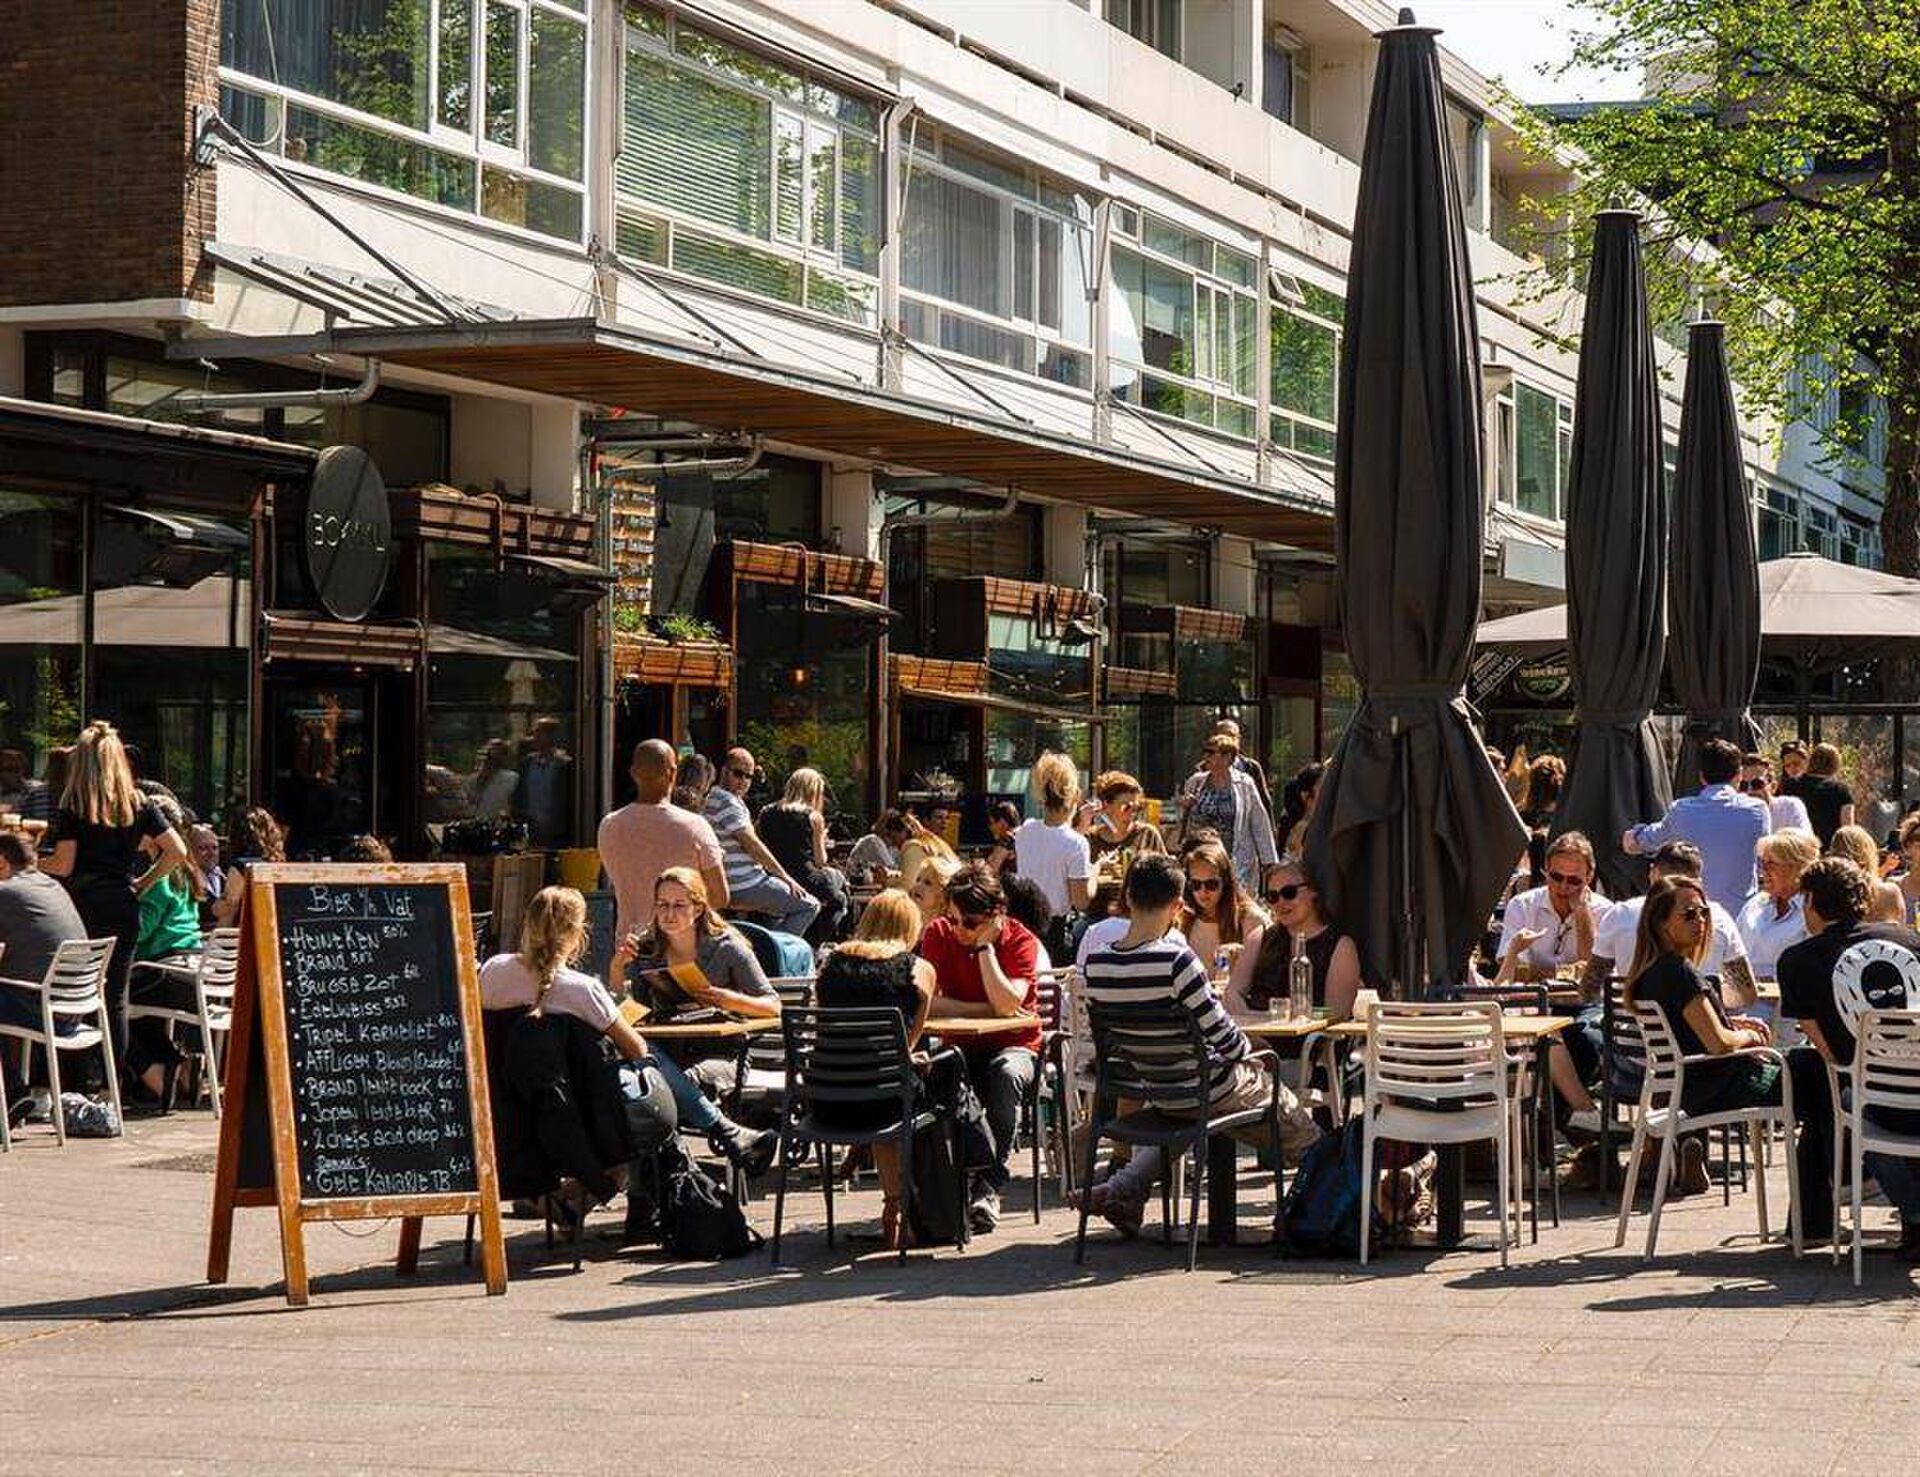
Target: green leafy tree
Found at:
1785, 133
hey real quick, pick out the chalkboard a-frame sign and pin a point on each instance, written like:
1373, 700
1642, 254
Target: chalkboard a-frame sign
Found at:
356, 1073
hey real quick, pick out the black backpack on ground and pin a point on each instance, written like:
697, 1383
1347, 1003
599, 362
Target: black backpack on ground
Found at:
701, 1220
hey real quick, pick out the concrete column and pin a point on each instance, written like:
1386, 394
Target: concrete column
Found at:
1233, 571
1064, 531
553, 454
851, 507
13, 368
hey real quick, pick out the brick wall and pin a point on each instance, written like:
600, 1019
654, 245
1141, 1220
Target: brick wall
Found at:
98, 198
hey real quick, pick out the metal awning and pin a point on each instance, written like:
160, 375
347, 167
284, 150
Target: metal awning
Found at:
610, 364
568, 569
1002, 705
821, 603
185, 528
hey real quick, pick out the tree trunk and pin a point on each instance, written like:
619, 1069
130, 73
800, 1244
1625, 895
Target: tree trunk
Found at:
1900, 514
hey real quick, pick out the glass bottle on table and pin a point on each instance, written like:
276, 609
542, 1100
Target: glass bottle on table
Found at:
1299, 981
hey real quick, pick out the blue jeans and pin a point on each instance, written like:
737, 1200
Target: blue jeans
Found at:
772, 898
697, 1111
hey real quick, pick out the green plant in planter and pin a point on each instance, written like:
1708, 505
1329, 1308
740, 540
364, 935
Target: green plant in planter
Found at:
677, 627
629, 620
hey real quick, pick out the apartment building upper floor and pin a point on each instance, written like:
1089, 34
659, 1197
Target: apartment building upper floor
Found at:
1120, 223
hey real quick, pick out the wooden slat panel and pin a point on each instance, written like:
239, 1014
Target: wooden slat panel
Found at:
1125, 682
832, 574
303, 638
936, 674
441, 512
1025, 597
1208, 625
696, 664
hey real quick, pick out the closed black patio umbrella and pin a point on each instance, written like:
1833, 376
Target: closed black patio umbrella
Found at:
1616, 563
1414, 836
1715, 601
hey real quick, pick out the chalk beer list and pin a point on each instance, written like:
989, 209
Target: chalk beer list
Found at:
375, 1040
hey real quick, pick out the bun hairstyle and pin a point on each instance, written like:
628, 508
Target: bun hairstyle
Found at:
1057, 782
553, 933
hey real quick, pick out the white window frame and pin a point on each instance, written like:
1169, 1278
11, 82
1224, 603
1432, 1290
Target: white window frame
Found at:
467, 143
809, 258
931, 159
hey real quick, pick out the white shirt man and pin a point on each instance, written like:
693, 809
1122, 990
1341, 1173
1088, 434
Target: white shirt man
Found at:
1546, 927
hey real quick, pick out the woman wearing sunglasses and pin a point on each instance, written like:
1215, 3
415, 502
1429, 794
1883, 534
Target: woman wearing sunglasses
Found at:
1217, 915
1261, 975
1675, 926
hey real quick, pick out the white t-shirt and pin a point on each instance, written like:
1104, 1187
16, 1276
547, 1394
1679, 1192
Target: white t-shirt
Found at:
1768, 935
506, 982
1557, 943
1048, 856
1614, 937
1104, 933
1789, 813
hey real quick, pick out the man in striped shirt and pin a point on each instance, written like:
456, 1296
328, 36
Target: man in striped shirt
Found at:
756, 882
1147, 966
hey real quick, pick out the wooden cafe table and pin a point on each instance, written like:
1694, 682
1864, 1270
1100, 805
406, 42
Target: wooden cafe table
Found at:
635, 1015
1450, 1173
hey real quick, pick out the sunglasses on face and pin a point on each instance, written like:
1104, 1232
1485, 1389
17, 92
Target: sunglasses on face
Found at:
1693, 914
1287, 893
1752, 786
974, 920
1204, 884
1561, 879
741, 774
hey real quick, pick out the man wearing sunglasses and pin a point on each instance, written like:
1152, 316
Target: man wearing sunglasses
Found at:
986, 964
1722, 822
1547, 927
756, 882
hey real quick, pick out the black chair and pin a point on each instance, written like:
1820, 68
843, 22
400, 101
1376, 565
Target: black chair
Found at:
1049, 1002
760, 1071
1155, 1052
1538, 998
850, 1057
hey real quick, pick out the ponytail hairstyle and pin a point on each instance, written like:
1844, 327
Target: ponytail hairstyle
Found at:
553, 933
1057, 782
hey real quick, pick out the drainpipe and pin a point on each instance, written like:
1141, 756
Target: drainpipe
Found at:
354, 394
883, 769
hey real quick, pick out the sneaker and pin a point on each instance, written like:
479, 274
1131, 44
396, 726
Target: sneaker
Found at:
983, 1216
19, 1110
1585, 1120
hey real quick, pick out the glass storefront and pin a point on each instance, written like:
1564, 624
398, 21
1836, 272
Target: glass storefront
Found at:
42, 622
1015, 740
804, 681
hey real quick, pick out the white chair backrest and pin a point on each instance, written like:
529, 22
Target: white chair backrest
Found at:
77, 975
1438, 1050
1886, 1062
220, 963
1664, 1058
1898, 968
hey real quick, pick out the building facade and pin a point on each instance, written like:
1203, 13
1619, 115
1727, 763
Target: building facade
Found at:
936, 380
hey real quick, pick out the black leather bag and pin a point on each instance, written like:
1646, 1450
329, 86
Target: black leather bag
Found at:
701, 1219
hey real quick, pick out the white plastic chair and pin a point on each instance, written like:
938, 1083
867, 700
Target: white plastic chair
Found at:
1661, 1116
74, 988
1850, 999
213, 973
1885, 1074
1437, 1073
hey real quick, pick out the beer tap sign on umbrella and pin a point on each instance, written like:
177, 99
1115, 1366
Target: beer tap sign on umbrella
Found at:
1414, 835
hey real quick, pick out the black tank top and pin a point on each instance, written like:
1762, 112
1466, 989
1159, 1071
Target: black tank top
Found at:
1276, 953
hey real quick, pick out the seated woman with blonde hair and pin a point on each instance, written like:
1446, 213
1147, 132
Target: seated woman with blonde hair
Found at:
878, 968
1888, 904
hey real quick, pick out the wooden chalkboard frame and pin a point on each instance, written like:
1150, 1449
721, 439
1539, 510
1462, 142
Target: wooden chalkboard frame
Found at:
259, 1023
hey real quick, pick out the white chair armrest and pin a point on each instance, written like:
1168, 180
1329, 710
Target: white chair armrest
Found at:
37, 986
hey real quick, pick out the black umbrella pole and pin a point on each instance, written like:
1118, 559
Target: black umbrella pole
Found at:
1409, 909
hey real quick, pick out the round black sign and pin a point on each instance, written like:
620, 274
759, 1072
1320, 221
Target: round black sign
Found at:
349, 532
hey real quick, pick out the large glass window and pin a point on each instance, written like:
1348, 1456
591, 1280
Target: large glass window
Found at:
1184, 310
1533, 450
1015, 740
500, 739
1156, 22
804, 682
748, 172
995, 263
1466, 137
478, 105
1026, 661
1306, 369
41, 623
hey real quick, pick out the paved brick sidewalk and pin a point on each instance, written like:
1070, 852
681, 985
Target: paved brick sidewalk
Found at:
1724, 1356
